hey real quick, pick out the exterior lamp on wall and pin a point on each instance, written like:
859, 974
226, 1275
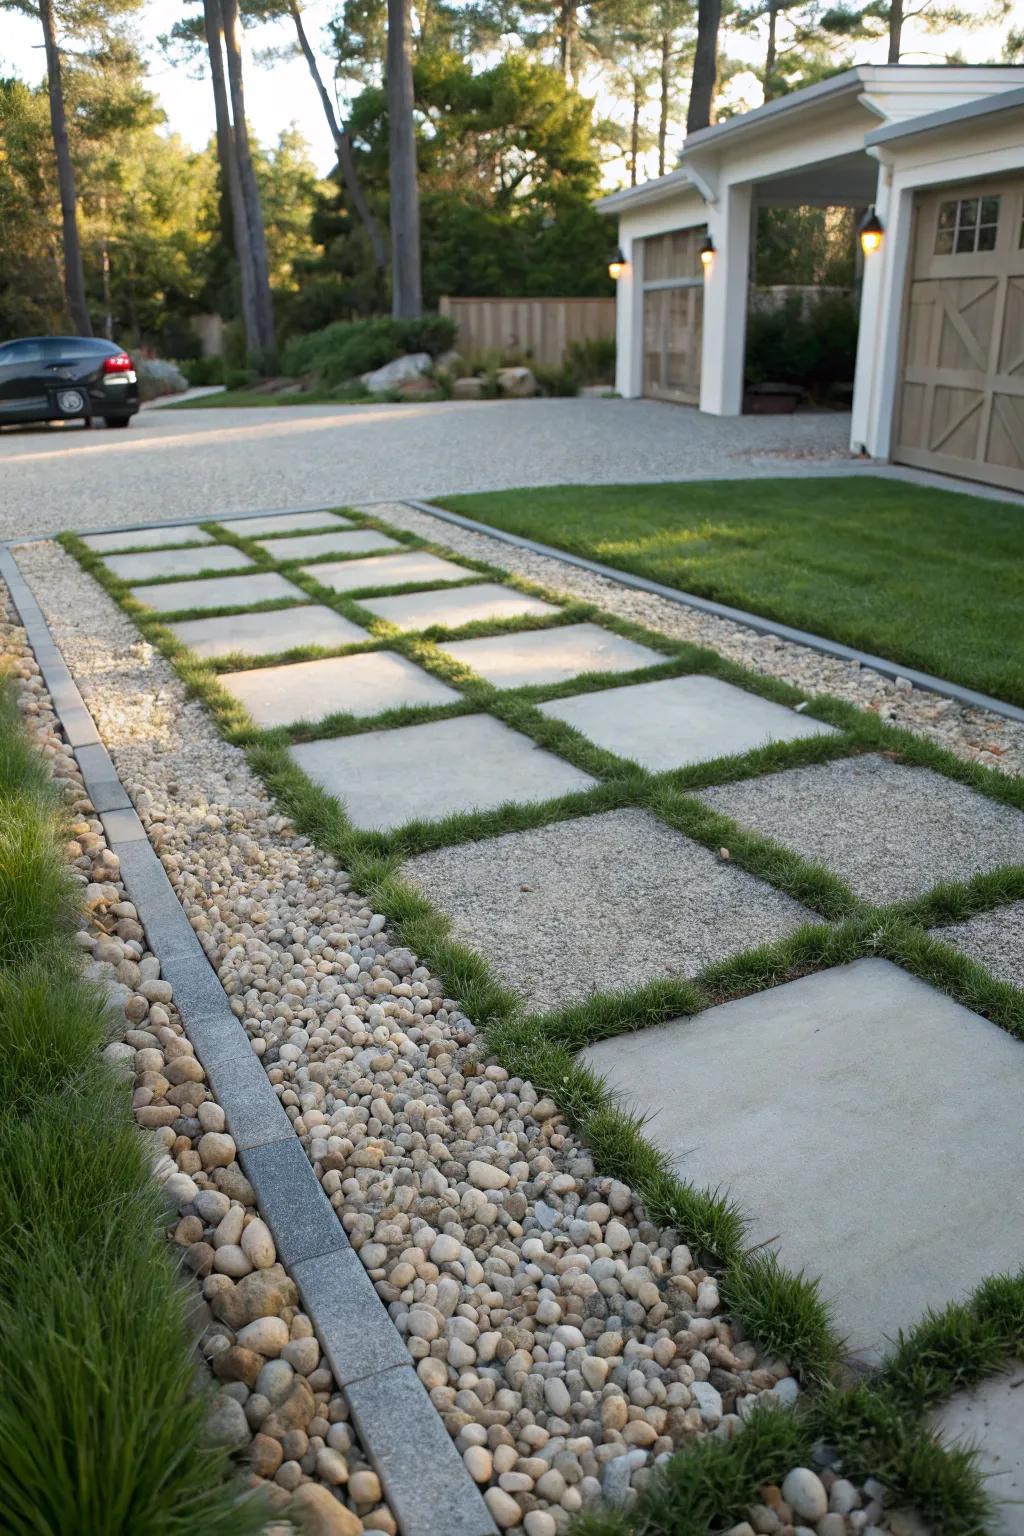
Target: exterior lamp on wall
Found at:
871, 233
707, 255
617, 265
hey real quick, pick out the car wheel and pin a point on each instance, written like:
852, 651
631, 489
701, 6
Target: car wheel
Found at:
117, 421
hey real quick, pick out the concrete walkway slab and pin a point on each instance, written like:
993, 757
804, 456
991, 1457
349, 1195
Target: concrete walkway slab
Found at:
680, 720
218, 592
547, 656
267, 634
995, 939
453, 607
308, 546
283, 522
599, 904
889, 830
152, 566
386, 778
147, 538
990, 1417
386, 571
359, 685
870, 1122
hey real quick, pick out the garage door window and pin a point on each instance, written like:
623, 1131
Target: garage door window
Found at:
966, 225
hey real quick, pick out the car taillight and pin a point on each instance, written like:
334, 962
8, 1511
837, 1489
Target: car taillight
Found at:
121, 363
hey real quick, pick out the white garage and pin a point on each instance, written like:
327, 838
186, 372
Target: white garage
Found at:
938, 152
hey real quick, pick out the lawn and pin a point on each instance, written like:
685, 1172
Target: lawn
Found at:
250, 397
932, 579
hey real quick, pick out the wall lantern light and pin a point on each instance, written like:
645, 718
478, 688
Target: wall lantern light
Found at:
617, 265
707, 255
871, 233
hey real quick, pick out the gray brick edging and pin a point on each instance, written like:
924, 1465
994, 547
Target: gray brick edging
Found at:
420, 1469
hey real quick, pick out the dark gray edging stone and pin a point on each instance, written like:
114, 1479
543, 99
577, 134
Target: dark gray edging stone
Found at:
420, 1470
752, 621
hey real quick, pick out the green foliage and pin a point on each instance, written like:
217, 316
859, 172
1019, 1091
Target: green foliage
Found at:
808, 246
557, 381
592, 360
202, 370
812, 347
346, 349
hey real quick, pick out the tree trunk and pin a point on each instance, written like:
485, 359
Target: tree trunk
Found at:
231, 186
705, 65
263, 306
771, 52
664, 77
406, 283
634, 134
343, 146
74, 271
895, 31
568, 26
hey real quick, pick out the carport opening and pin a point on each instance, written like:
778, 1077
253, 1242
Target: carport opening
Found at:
803, 309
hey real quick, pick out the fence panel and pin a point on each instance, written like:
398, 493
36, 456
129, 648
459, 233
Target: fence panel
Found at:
543, 328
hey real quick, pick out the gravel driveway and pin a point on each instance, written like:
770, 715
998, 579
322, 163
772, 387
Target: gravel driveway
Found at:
173, 464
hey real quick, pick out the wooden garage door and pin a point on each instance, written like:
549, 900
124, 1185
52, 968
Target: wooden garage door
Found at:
961, 398
673, 288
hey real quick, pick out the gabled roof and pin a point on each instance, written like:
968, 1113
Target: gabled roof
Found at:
931, 122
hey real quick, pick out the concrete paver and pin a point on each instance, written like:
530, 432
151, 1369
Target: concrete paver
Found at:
285, 522
424, 772
990, 1417
680, 720
551, 655
267, 634
309, 546
386, 571
869, 1121
147, 538
457, 606
358, 685
218, 592
155, 564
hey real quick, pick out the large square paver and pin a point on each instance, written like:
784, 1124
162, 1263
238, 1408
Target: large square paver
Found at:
990, 1417
455, 606
358, 685
219, 592
283, 522
386, 571
425, 772
544, 656
147, 538
267, 634
890, 831
868, 1121
309, 546
599, 904
995, 939
155, 564
680, 720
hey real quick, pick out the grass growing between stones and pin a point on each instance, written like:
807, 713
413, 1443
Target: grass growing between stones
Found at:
876, 1426
100, 1428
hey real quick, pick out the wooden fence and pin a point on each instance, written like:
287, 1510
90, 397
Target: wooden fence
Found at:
543, 328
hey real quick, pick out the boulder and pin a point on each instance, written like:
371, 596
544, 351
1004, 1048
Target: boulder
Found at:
468, 389
419, 387
517, 383
379, 380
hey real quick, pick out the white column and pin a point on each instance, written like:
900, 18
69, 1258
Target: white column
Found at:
725, 303
869, 336
629, 320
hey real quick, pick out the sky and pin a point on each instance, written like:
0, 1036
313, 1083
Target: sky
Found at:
282, 94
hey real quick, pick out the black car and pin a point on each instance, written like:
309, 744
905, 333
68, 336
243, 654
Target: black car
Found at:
64, 378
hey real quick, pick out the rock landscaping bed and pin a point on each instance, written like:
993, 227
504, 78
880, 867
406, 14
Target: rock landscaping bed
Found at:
268, 1395
605, 1342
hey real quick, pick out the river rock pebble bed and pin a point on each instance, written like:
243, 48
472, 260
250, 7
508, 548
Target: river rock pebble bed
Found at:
566, 1340
976, 735
275, 1401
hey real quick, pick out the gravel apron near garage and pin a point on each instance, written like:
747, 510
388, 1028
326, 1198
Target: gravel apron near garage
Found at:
567, 1341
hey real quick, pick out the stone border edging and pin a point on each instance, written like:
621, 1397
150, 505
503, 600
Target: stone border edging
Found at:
412, 1453
753, 621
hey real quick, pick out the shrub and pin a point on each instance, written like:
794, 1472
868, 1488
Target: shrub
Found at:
157, 378
202, 370
343, 351
592, 360
812, 349
557, 381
